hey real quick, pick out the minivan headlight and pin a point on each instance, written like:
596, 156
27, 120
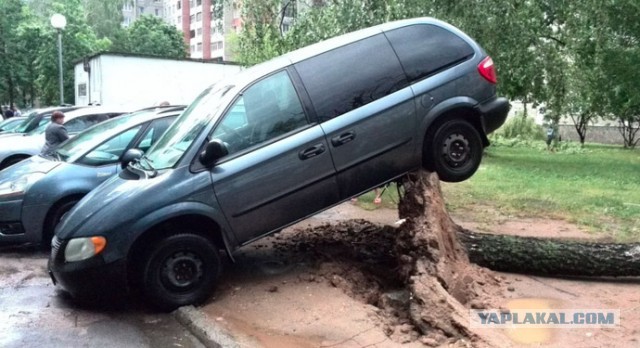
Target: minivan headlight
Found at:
79, 249
19, 186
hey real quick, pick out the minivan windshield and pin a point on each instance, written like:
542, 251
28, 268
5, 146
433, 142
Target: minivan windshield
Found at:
183, 132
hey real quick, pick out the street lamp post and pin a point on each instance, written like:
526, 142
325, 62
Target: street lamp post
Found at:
59, 21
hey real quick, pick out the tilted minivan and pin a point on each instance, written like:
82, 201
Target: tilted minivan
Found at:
275, 144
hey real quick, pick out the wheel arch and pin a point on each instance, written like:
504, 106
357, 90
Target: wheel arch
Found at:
57, 204
196, 222
458, 107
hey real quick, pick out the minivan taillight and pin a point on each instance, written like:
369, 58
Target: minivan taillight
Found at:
487, 70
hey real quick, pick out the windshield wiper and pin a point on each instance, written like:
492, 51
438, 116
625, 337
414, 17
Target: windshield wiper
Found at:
149, 165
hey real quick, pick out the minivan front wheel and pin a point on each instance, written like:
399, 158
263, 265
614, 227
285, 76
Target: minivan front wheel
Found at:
454, 150
179, 270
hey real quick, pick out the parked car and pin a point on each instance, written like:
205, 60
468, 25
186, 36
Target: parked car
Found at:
37, 192
275, 144
34, 118
15, 147
10, 123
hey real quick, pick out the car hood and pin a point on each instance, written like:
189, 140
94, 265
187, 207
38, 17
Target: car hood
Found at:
34, 164
119, 203
20, 143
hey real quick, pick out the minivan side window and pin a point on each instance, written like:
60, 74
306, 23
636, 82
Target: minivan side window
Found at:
426, 49
265, 110
351, 76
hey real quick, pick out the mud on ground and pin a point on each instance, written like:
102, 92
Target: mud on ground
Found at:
330, 283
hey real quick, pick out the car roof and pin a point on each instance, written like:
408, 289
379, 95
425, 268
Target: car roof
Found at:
126, 122
248, 75
95, 110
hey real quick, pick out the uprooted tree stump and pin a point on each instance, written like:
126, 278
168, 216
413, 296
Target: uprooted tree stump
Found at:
433, 263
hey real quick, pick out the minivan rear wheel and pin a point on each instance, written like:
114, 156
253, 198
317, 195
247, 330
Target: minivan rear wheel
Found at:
453, 150
179, 270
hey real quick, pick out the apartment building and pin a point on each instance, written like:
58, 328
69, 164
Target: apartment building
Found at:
132, 9
204, 24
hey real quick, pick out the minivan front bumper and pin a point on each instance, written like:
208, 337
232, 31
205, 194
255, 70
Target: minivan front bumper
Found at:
87, 279
493, 113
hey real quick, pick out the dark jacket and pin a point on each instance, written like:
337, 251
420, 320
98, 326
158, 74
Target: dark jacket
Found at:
54, 135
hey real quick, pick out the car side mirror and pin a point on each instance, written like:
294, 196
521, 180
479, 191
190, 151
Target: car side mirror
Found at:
129, 156
214, 150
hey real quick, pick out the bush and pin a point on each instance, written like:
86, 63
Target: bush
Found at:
520, 127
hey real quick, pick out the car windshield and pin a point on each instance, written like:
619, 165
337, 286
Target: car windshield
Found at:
41, 128
26, 123
76, 147
177, 139
9, 124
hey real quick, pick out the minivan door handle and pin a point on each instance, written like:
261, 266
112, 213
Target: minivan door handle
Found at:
313, 151
343, 138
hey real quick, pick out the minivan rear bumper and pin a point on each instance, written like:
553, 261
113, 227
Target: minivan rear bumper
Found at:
493, 113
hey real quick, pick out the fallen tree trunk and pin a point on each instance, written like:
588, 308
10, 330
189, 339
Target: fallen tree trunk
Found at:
551, 256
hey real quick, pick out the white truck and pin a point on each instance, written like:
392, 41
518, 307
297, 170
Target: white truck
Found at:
136, 81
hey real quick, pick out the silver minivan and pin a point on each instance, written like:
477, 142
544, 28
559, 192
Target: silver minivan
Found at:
275, 144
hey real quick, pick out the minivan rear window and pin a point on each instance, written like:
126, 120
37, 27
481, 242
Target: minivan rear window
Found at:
351, 76
425, 49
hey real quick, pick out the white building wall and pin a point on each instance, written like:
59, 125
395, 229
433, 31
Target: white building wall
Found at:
138, 82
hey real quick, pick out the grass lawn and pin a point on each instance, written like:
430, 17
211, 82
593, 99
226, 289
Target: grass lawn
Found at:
597, 187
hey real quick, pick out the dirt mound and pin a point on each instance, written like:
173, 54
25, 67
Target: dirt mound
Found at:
417, 275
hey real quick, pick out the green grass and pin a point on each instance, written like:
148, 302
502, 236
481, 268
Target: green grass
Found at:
597, 187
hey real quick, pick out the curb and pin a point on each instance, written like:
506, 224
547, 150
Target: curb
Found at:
208, 333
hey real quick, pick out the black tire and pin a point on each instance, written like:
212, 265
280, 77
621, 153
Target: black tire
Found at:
453, 150
53, 219
181, 269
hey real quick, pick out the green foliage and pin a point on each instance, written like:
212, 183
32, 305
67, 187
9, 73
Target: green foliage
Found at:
522, 127
104, 16
150, 35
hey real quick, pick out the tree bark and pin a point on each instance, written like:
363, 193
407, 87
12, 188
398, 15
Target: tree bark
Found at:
432, 262
551, 257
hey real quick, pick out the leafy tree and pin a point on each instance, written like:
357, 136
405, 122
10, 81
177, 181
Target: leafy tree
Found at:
12, 16
105, 17
150, 35
78, 41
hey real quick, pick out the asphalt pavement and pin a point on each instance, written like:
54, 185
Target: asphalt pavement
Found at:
37, 314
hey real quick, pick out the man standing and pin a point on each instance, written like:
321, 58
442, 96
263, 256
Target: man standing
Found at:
8, 113
55, 134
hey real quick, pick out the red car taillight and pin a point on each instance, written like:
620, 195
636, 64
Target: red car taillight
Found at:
487, 70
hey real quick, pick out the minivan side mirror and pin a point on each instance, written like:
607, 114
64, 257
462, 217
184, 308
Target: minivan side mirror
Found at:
129, 156
214, 150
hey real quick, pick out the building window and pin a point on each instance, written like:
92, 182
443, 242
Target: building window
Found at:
198, 2
141, 10
191, 18
192, 34
179, 21
199, 16
191, 3
179, 4
199, 46
157, 12
193, 48
199, 32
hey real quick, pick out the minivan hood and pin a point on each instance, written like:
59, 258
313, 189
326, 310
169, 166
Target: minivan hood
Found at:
117, 204
102, 208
